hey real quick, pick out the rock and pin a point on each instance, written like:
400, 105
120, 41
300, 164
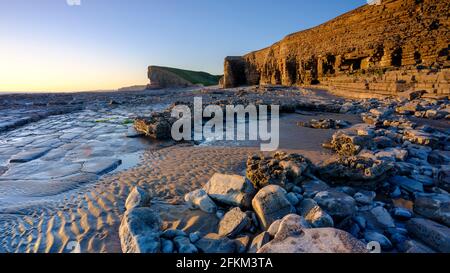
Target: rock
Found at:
336, 204
271, 204
378, 218
314, 214
259, 241
444, 179
434, 206
411, 246
319, 240
392, 153
132, 133
273, 229
242, 243
279, 169
420, 137
431, 233
349, 143
438, 157
357, 171
407, 183
365, 198
233, 223
312, 187
214, 243
167, 246
157, 125
371, 236
101, 166
401, 214
292, 198
425, 180
29, 155
139, 231
324, 124
183, 245
195, 236
291, 225
137, 198
170, 234
231, 190
199, 199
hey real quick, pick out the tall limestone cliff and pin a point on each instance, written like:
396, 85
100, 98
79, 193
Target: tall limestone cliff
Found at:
398, 45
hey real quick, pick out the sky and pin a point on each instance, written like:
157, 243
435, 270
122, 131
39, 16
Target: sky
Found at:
49, 45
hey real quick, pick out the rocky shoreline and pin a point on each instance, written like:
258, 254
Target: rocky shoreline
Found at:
383, 176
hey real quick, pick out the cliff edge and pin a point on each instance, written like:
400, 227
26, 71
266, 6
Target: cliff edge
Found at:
164, 77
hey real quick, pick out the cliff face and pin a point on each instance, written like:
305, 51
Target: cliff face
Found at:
395, 46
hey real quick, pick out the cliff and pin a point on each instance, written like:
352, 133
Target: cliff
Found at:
396, 46
163, 77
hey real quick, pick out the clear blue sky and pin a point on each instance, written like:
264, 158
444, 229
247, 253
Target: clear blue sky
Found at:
102, 44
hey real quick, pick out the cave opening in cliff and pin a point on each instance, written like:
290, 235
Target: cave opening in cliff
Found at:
418, 57
396, 57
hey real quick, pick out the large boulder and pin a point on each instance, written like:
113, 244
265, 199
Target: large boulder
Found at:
278, 169
337, 204
232, 190
294, 237
259, 241
431, 233
139, 231
271, 204
233, 223
199, 199
434, 206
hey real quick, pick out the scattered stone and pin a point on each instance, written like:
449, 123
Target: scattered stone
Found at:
199, 199
183, 245
444, 179
195, 236
259, 241
242, 243
293, 199
233, 223
271, 204
406, 183
434, 206
132, 133
312, 187
372, 236
314, 214
137, 198
420, 137
348, 142
378, 218
365, 197
214, 243
170, 234
412, 246
139, 231
431, 233
336, 204
231, 190
438, 157
402, 214
167, 246
324, 124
